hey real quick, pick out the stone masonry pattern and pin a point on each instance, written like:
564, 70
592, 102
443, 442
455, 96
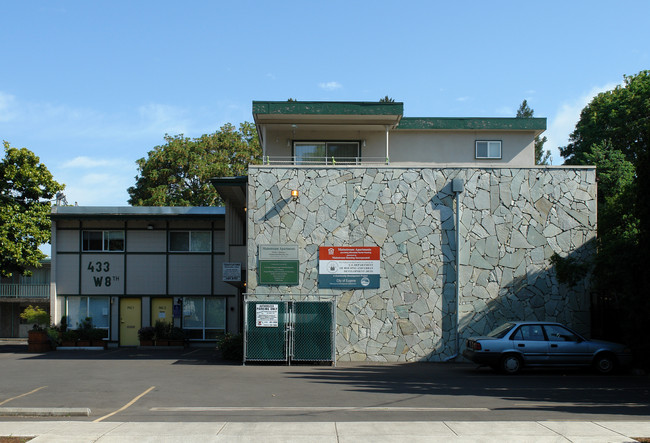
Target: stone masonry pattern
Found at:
512, 220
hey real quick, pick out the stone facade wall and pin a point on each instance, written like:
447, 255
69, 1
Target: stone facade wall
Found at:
511, 223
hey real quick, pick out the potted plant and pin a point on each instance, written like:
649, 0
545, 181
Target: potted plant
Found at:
176, 336
162, 333
38, 340
69, 338
97, 337
146, 334
83, 331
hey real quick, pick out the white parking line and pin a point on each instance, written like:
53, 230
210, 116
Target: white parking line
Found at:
312, 409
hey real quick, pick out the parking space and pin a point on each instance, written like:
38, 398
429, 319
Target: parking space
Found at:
130, 384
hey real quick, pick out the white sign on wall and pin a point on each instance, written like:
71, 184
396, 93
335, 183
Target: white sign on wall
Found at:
266, 315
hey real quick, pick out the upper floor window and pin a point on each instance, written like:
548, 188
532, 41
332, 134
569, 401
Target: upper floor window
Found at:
102, 241
327, 153
488, 149
190, 241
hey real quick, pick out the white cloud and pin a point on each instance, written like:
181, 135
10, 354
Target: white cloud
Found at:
107, 188
563, 123
330, 86
462, 99
7, 103
89, 163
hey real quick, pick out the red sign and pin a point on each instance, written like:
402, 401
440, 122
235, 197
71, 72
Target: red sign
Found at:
349, 253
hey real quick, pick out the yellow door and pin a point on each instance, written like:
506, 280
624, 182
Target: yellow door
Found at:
130, 321
161, 310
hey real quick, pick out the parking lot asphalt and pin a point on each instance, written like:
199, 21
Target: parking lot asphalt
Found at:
194, 385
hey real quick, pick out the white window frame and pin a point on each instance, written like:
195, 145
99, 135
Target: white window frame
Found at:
189, 246
491, 144
328, 158
106, 234
87, 303
203, 328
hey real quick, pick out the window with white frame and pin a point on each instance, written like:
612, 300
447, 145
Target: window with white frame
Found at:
190, 241
80, 308
204, 318
488, 149
102, 241
323, 152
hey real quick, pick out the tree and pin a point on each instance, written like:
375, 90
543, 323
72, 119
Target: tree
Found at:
26, 189
541, 157
386, 99
613, 133
178, 173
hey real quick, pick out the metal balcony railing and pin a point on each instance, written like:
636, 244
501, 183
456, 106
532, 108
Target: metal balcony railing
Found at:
327, 161
15, 290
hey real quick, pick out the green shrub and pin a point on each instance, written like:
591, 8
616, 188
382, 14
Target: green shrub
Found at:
231, 347
37, 316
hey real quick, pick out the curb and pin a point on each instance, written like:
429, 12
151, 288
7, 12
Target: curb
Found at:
45, 412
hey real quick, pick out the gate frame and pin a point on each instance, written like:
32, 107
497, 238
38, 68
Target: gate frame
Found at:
249, 298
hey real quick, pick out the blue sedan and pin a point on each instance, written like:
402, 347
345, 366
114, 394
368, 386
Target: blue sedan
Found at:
515, 345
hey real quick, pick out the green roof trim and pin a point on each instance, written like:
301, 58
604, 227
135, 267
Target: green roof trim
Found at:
476, 124
328, 108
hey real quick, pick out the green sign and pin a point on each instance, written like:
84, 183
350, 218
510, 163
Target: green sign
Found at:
278, 265
278, 272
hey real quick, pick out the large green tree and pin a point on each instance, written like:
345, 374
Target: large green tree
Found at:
541, 157
26, 189
613, 133
178, 173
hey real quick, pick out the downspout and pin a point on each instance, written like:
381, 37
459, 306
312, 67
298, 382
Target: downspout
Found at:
387, 144
263, 127
457, 186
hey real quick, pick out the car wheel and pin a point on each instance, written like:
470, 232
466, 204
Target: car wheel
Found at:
511, 363
605, 363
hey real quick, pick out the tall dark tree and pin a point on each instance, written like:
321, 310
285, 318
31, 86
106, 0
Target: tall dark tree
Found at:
178, 173
26, 189
613, 133
541, 157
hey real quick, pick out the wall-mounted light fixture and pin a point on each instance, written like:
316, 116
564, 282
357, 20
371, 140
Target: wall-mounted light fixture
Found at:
150, 227
295, 194
363, 145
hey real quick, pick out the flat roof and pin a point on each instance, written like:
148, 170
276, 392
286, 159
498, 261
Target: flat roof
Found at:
473, 123
138, 212
327, 113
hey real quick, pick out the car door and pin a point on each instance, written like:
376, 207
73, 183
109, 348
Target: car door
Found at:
566, 348
530, 341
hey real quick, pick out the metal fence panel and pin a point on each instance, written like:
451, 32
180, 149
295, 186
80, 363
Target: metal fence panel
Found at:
312, 335
266, 341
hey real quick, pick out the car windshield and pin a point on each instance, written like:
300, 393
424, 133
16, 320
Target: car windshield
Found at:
501, 331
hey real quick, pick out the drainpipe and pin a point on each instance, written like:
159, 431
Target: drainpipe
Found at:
457, 186
263, 128
387, 144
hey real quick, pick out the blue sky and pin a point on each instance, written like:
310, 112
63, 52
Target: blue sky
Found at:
91, 86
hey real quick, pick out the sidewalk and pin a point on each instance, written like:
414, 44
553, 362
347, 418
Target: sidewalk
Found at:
341, 432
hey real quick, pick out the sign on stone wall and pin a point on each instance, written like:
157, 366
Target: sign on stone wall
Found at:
278, 265
349, 267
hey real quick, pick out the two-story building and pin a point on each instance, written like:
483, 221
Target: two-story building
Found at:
421, 231
417, 232
128, 267
19, 291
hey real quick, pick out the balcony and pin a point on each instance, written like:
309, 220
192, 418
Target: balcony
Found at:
324, 161
15, 290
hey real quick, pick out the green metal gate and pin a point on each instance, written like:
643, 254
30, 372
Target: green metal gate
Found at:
289, 331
